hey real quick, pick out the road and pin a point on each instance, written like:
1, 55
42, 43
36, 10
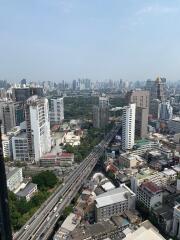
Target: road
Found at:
41, 224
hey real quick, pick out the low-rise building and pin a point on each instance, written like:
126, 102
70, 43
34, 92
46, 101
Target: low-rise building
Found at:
161, 179
149, 194
174, 125
6, 144
71, 139
28, 192
60, 159
98, 231
67, 227
114, 202
130, 160
14, 178
145, 231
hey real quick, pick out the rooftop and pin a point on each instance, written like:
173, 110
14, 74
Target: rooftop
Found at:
151, 187
68, 224
11, 171
93, 230
63, 154
24, 192
113, 196
146, 231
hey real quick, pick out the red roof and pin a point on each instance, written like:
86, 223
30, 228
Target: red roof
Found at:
151, 187
63, 154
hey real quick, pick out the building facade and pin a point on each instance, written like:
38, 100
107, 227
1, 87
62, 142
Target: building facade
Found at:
20, 147
128, 126
114, 202
166, 111
141, 99
14, 178
21, 94
176, 222
149, 194
38, 127
56, 110
101, 113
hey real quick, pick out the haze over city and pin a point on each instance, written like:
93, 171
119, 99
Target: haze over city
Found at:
106, 39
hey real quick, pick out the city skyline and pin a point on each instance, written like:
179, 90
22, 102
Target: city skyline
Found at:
65, 40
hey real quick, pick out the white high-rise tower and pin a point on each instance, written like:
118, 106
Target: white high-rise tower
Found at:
38, 127
128, 126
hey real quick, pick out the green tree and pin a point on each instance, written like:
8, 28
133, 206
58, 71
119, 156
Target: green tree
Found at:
45, 180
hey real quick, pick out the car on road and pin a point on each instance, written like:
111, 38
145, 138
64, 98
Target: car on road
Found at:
57, 215
26, 227
54, 209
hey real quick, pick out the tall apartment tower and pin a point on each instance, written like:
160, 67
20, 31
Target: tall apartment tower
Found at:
11, 115
165, 111
101, 113
56, 110
128, 126
38, 127
141, 99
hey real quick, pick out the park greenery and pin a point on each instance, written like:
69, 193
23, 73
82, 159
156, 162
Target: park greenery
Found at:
92, 138
81, 107
20, 210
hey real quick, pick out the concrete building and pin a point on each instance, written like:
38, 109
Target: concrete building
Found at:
6, 144
28, 192
20, 147
176, 222
160, 179
21, 94
70, 223
62, 159
174, 125
11, 114
145, 231
56, 110
141, 99
38, 127
128, 126
165, 111
149, 194
14, 178
130, 160
141, 122
158, 90
154, 108
114, 202
101, 113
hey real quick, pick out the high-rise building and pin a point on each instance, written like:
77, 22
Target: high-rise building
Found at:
166, 111
11, 114
141, 99
74, 85
101, 113
103, 101
128, 126
157, 88
56, 110
154, 108
23, 93
38, 127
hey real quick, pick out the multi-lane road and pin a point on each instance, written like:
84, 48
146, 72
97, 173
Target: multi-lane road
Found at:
41, 224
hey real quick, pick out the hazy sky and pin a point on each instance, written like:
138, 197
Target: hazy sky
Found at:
99, 39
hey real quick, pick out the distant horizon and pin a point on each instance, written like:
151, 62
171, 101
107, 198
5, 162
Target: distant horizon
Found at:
69, 39
70, 81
